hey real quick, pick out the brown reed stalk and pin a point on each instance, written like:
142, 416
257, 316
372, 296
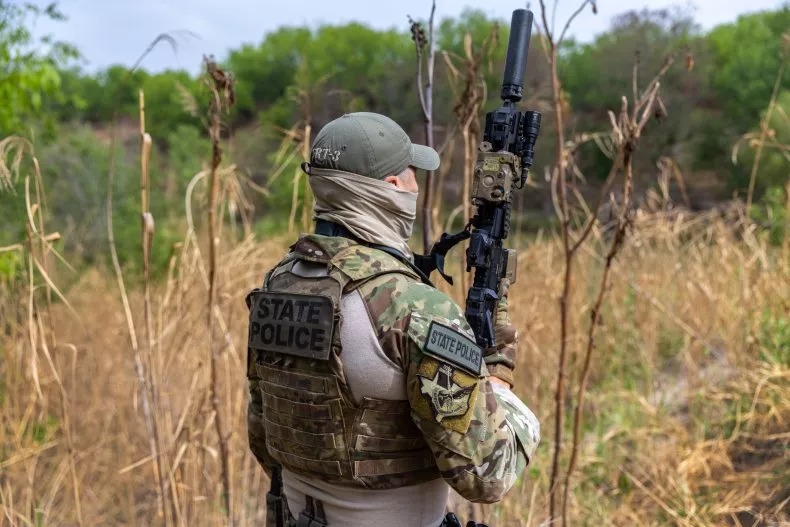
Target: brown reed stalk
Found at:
467, 72
147, 219
144, 364
163, 37
302, 138
139, 367
627, 130
297, 180
119, 278
425, 95
37, 261
221, 85
307, 201
43, 245
551, 45
297, 139
35, 249
669, 168
786, 239
446, 152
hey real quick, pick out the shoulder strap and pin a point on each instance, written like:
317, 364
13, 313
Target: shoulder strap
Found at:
328, 228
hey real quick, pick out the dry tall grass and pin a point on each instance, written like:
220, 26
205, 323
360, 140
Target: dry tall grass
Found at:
692, 375
687, 409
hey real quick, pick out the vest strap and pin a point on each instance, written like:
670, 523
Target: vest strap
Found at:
376, 467
328, 228
313, 513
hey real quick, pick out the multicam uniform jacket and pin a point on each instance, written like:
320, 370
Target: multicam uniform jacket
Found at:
452, 422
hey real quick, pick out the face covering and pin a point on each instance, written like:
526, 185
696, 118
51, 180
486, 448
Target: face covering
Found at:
372, 210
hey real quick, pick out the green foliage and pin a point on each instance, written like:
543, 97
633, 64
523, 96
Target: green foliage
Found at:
711, 140
772, 214
188, 151
596, 76
741, 63
644, 36
323, 73
264, 72
84, 90
450, 37
744, 60
172, 98
728, 79
358, 63
113, 90
280, 187
10, 265
270, 226
774, 338
44, 430
298, 75
451, 32
774, 164
74, 171
170, 102
30, 66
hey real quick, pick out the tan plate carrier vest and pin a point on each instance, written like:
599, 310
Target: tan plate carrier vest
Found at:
313, 425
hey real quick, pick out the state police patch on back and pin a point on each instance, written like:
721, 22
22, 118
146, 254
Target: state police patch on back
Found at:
291, 323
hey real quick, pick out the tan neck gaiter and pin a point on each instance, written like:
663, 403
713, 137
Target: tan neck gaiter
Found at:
372, 210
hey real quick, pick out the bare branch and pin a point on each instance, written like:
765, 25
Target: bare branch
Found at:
546, 29
425, 95
570, 20
554, 15
634, 78
626, 130
221, 85
418, 36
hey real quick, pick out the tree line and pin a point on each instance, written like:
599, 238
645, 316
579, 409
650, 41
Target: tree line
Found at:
297, 76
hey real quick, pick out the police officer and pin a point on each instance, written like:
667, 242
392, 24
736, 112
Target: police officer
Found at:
369, 397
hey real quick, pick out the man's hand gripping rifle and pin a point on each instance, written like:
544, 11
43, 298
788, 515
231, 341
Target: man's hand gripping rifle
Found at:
503, 162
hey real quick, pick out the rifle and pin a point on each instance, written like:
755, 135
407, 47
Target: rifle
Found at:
503, 162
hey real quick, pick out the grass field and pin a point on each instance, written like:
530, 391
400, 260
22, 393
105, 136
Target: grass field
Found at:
685, 418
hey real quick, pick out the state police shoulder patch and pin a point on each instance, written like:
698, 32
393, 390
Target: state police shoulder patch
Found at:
448, 394
446, 343
447, 368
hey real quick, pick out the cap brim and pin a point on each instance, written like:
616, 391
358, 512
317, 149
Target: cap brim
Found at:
424, 157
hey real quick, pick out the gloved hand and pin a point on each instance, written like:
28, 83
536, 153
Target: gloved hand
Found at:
501, 358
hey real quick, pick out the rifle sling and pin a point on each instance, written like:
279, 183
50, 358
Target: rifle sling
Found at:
328, 228
423, 264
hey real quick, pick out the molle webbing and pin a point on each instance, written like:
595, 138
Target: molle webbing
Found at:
312, 424
383, 438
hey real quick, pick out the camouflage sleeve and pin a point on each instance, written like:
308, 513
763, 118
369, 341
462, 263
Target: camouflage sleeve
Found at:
464, 420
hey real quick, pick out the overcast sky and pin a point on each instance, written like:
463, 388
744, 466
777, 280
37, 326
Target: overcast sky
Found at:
118, 31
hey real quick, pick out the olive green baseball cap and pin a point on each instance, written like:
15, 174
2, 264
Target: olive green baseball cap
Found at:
369, 144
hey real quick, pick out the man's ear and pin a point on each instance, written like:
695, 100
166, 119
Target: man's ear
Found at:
395, 180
